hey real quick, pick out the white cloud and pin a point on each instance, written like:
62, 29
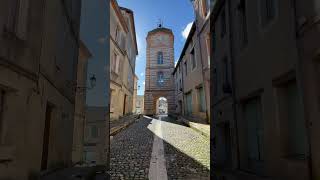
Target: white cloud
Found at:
186, 30
141, 45
144, 83
141, 74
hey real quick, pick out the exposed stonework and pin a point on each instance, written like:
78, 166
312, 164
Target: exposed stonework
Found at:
159, 40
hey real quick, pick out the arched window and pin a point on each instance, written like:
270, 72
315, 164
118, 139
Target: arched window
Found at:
160, 78
160, 57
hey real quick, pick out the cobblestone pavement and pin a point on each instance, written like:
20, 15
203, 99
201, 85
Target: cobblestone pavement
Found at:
130, 151
187, 153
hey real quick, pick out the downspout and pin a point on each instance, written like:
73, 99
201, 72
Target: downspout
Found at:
233, 81
300, 82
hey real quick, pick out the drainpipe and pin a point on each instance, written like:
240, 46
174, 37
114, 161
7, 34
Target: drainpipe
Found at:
233, 81
300, 82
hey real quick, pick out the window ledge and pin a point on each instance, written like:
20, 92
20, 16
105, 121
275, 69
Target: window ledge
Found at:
9, 35
6, 154
295, 158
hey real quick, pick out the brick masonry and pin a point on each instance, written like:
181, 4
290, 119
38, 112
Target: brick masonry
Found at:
160, 39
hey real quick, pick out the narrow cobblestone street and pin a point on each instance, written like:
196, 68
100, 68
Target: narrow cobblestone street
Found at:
186, 152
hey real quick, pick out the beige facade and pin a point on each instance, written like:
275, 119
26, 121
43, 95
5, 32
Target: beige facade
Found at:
265, 118
159, 68
123, 51
80, 104
192, 72
37, 45
135, 90
140, 104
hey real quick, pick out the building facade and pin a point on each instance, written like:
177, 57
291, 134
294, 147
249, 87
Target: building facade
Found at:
135, 91
37, 45
80, 104
123, 52
192, 72
266, 127
159, 68
140, 104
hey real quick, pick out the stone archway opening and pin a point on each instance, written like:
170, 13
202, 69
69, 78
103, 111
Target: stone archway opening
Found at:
162, 106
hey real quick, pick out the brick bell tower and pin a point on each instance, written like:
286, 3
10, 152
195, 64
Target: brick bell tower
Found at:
159, 67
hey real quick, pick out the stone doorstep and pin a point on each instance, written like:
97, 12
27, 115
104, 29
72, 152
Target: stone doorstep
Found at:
240, 175
201, 128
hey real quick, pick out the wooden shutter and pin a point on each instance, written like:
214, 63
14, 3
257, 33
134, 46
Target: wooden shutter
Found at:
297, 129
22, 21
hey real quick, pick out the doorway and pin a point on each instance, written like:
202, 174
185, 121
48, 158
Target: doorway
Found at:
46, 137
162, 106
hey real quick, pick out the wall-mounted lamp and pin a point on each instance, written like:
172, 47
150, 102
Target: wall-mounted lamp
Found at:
138, 87
93, 82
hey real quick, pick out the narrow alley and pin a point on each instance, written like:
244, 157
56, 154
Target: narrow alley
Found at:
177, 151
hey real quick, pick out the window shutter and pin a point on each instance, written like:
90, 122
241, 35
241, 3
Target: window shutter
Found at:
22, 19
12, 15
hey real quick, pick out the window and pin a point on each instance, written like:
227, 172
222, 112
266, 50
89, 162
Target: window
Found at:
123, 42
223, 22
117, 33
243, 32
189, 103
160, 78
202, 103
268, 11
2, 93
253, 119
160, 57
215, 82
17, 18
111, 98
208, 48
208, 6
292, 121
193, 58
94, 131
186, 68
115, 63
130, 79
225, 71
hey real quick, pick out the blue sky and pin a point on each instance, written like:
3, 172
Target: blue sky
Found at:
175, 15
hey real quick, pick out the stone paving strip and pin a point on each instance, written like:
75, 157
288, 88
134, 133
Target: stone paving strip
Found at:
158, 168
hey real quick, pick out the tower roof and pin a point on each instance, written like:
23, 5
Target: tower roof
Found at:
160, 29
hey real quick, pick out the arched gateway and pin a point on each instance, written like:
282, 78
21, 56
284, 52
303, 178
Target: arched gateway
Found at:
160, 65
